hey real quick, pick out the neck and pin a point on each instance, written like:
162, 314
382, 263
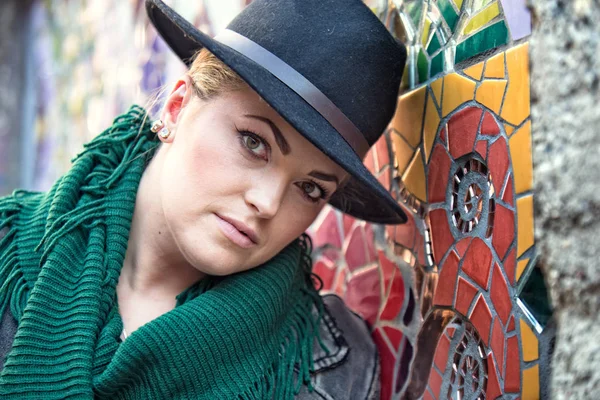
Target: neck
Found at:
153, 264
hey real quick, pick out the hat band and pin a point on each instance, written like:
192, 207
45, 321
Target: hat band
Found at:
300, 85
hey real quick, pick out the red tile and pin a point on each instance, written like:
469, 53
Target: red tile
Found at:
328, 232
439, 170
325, 269
370, 239
404, 234
464, 296
481, 317
363, 294
383, 152
395, 336
481, 148
462, 130
444, 293
511, 324
348, 223
369, 161
508, 196
385, 178
441, 353
426, 396
489, 126
444, 135
420, 249
388, 268
497, 162
512, 381
395, 300
387, 360
339, 287
441, 236
504, 230
498, 343
435, 383
477, 262
463, 245
451, 332
499, 295
356, 249
493, 385
509, 266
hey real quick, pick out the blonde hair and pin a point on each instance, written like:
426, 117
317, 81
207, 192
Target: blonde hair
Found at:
211, 76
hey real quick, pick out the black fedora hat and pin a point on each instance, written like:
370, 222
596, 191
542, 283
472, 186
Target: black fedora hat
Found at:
329, 67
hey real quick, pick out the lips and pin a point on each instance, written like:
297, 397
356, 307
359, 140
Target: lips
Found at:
238, 232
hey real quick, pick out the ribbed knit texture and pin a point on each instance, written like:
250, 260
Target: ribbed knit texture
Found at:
237, 337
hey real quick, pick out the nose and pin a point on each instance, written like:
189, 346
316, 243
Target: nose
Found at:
265, 195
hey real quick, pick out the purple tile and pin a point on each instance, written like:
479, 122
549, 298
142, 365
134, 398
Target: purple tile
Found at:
518, 18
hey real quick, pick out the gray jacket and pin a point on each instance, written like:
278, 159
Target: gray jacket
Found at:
350, 371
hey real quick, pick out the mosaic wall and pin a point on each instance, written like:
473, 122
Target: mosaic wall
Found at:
457, 304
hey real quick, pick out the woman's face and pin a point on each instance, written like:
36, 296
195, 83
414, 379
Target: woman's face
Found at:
237, 182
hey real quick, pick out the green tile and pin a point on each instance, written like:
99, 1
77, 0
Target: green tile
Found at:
422, 67
535, 296
434, 44
489, 38
437, 64
448, 13
415, 12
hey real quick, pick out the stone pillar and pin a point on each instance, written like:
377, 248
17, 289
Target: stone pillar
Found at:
565, 105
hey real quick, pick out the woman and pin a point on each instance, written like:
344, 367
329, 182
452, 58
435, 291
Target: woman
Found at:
170, 261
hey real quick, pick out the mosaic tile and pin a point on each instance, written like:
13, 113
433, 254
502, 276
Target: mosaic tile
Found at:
494, 67
490, 93
369, 161
410, 308
509, 266
525, 223
356, 249
520, 153
441, 237
475, 71
462, 130
426, 31
430, 128
422, 66
512, 380
448, 12
488, 38
458, 3
436, 87
326, 270
508, 195
457, 90
403, 234
437, 64
434, 44
348, 223
387, 360
504, 230
437, 179
402, 152
529, 342
435, 383
444, 135
444, 293
363, 294
517, 94
498, 162
370, 241
482, 18
327, 232
518, 17
489, 125
477, 262
481, 148
462, 246
493, 385
531, 383
497, 343
509, 129
415, 11
394, 335
402, 374
511, 324
428, 396
382, 153
500, 295
409, 115
535, 296
385, 178
481, 318
464, 296
414, 177
521, 267
388, 270
395, 299
441, 353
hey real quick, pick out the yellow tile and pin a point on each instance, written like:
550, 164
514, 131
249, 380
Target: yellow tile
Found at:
529, 342
509, 129
402, 152
458, 3
432, 121
425, 35
521, 267
475, 71
409, 116
482, 18
457, 90
494, 67
516, 103
520, 154
525, 224
436, 86
491, 93
414, 177
531, 384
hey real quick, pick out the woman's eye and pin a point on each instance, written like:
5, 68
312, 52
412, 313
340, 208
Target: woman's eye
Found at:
312, 190
255, 145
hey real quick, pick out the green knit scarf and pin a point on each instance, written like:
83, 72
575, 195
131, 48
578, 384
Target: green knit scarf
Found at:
245, 336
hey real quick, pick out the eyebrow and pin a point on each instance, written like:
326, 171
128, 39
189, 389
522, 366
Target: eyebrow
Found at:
283, 145
325, 177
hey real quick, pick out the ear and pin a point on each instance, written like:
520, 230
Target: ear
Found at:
179, 97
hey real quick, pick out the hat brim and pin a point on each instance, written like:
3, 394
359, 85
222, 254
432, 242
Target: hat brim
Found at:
368, 199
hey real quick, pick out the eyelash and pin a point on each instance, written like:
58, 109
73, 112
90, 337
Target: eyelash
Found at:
256, 136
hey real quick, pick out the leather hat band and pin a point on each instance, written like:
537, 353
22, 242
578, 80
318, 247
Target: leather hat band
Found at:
300, 85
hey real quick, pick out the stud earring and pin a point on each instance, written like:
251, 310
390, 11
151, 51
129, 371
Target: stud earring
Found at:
159, 127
